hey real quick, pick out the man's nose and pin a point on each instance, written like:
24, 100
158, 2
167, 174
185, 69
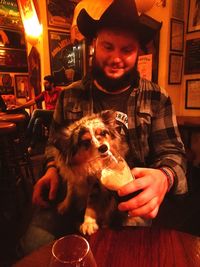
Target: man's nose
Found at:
116, 56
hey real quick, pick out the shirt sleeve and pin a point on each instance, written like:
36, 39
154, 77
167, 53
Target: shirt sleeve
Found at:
39, 98
166, 143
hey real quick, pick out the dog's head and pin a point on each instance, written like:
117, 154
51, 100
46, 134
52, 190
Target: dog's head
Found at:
89, 138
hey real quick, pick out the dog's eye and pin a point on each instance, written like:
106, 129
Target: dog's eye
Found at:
104, 133
85, 143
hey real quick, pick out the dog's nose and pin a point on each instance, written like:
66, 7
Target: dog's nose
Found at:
103, 148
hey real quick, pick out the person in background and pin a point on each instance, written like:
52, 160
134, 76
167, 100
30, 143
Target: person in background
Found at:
42, 116
144, 112
3, 106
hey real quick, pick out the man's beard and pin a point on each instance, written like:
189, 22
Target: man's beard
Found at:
130, 78
47, 88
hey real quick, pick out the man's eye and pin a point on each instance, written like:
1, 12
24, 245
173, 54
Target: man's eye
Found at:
129, 50
107, 47
104, 133
85, 143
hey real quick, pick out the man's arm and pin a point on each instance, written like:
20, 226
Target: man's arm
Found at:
167, 147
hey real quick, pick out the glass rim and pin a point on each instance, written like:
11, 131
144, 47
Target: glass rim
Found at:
71, 261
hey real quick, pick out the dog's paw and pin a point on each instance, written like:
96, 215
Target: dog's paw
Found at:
89, 226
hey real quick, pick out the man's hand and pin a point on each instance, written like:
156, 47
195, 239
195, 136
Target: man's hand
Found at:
153, 184
47, 183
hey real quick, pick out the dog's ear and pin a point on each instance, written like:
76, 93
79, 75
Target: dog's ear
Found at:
62, 141
109, 117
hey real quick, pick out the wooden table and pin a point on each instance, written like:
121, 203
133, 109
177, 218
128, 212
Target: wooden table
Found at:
133, 247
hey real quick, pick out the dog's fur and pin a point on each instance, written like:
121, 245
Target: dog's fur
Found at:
78, 151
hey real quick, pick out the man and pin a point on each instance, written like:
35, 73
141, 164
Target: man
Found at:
42, 116
144, 113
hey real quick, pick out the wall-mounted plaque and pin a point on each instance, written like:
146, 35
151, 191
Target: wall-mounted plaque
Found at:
192, 56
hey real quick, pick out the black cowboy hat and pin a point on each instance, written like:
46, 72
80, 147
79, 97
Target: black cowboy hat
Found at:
120, 14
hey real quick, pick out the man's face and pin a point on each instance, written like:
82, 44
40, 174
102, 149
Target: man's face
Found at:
47, 85
115, 52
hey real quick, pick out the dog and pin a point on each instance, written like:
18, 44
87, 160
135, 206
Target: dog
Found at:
79, 151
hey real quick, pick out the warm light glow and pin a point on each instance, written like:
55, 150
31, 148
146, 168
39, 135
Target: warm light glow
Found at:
33, 28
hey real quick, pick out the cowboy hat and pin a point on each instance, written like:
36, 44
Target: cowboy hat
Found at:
120, 14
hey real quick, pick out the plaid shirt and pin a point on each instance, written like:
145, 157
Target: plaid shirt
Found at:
152, 126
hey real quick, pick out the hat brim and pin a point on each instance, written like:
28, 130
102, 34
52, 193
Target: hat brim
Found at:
144, 28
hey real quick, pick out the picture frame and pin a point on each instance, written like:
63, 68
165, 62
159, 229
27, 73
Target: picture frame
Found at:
192, 96
192, 59
10, 15
152, 48
7, 83
175, 68
21, 86
60, 13
176, 35
12, 39
192, 62
65, 58
193, 22
13, 60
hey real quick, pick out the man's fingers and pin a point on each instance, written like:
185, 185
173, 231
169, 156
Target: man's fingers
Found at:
149, 210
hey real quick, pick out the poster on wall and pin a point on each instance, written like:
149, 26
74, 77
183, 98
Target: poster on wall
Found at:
193, 16
145, 66
178, 9
12, 39
6, 84
192, 94
60, 13
192, 56
13, 60
9, 15
66, 59
21, 85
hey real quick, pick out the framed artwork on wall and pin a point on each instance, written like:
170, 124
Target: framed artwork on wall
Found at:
21, 85
60, 13
192, 96
192, 56
12, 39
66, 59
193, 23
176, 35
13, 60
152, 48
175, 68
6, 83
9, 15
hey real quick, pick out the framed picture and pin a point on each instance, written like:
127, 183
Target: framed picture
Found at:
176, 35
13, 60
9, 15
192, 56
66, 58
175, 68
12, 39
193, 23
60, 13
21, 85
192, 96
6, 83
152, 48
